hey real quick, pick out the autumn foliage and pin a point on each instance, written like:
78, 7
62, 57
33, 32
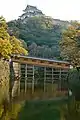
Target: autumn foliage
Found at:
70, 44
9, 44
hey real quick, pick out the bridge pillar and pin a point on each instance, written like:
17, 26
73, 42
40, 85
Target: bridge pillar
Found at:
60, 80
44, 79
33, 81
52, 80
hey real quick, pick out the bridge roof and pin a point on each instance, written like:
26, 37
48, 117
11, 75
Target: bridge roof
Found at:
43, 59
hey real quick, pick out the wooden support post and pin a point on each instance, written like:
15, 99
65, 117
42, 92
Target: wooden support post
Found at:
44, 79
60, 79
52, 79
33, 81
19, 76
25, 78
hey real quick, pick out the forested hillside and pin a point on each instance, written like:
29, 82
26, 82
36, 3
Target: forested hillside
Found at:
41, 33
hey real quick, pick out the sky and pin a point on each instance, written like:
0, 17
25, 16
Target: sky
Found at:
58, 9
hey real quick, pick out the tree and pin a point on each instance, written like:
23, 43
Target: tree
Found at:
70, 43
9, 44
41, 30
70, 50
17, 47
5, 48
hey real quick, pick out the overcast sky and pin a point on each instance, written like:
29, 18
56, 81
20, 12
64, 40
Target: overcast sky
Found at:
58, 9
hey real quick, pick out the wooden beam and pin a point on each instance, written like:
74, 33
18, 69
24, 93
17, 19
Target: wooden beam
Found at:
42, 63
60, 80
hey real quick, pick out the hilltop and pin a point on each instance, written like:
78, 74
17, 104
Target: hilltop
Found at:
41, 33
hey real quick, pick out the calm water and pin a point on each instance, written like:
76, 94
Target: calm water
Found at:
40, 105
45, 109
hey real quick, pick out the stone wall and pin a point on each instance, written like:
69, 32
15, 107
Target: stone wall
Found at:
4, 79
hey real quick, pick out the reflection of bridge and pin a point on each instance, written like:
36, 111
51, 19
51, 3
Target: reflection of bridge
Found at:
36, 74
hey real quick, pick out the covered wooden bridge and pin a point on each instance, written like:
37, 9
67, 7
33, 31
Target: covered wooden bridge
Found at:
40, 75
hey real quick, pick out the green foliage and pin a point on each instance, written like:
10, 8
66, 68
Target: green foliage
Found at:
36, 28
41, 31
